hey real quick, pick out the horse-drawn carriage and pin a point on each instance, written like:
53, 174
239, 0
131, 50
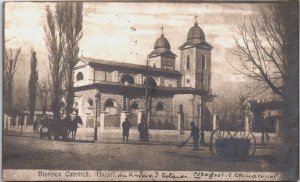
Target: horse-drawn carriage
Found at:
232, 145
58, 128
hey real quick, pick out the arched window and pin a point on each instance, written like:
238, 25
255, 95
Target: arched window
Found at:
187, 62
154, 65
90, 102
160, 106
127, 79
134, 106
203, 62
79, 76
109, 103
151, 82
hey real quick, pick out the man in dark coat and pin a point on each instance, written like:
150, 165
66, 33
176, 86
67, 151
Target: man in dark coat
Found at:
195, 135
126, 126
143, 129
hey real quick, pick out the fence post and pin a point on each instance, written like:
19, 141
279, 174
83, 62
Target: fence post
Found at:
247, 123
9, 121
17, 122
180, 117
25, 121
102, 117
215, 121
277, 126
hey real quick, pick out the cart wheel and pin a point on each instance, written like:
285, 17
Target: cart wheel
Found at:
248, 136
217, 134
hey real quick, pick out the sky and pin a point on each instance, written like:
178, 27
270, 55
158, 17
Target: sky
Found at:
108, 32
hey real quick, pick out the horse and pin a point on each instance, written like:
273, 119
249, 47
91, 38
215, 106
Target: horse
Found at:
73, 125
59, 128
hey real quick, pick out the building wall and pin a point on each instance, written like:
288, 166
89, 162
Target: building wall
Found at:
168, 61
188, 75
88, 75
206, 73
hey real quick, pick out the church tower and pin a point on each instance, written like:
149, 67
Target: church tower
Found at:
161, 56
195, 60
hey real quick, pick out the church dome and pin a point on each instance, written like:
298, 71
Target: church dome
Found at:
162, 42
195, 34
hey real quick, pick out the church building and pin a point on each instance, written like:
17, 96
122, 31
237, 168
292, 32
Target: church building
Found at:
114, 90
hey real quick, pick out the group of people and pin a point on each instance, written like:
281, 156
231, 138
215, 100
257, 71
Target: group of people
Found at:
144, 133
142, 128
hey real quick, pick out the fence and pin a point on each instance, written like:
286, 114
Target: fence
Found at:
163, 122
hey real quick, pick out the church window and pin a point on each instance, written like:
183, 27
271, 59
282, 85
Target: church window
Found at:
168, 66
187, 81
134, 106
90, 102
127, 80
159, 106
79, 76
203, 62
188, 62
109, 103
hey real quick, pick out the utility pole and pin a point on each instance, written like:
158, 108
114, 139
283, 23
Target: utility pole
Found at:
97, 96
147, 99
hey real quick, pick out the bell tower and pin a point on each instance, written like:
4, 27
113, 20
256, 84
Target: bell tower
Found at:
195, 60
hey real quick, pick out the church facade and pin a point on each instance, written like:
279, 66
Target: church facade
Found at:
111, 91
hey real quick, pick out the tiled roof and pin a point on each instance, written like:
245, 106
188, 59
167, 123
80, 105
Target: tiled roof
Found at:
96, 62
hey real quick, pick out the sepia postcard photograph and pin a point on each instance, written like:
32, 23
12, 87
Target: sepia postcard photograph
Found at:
150, 90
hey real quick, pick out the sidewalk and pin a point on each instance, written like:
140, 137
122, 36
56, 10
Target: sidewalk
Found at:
114, 135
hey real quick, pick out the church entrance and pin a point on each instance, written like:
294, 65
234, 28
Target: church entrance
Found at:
112, 114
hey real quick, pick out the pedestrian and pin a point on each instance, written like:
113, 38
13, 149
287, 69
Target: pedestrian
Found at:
195, 135
126, 126
143, 129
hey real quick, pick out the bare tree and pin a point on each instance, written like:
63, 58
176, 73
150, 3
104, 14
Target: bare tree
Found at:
55, 41
10, 68
44, 90
261, 51
33, 85
73, 33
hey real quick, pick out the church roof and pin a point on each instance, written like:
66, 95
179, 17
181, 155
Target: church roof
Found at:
155, 53
139, 90
162, 42
203, 45
162, 47
195, 34
114, 64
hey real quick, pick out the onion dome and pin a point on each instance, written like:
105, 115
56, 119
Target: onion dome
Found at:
162, 47
195, 34
162, 44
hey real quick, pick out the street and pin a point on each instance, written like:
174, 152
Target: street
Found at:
30, 152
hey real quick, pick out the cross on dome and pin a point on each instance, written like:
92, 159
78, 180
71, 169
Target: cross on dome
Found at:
195, 17
162, 30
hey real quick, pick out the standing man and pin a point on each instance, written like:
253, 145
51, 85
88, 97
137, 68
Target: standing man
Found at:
126, 126
195, 135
